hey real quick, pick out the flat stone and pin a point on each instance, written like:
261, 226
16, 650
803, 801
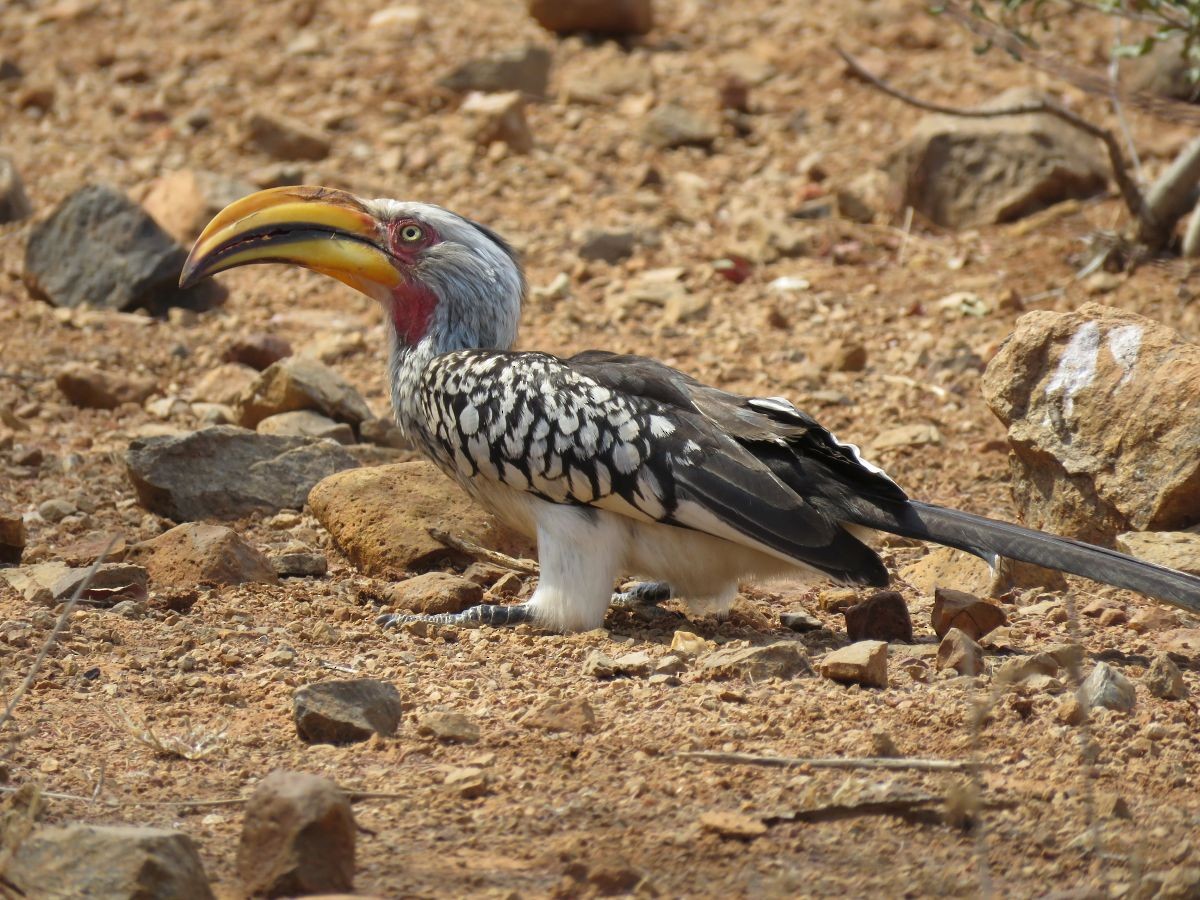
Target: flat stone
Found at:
92, 388
593, 16
108, 861
958, 651
299, 382
468, 782
881, 617
800, 621
51, 582
670, 125
1108, 688
194, 553
257, 350
14, 204
433, 593
298, 837
916, 435
380, 518
630, 665
448, 725
99, 248
306, 423
525, 69
1164, 680
1174, 549
966, 612
226, 472
574, 715
1020, 668
283, 138
225, 384
732, 824
862, 663
608, 246
782, 659
343, 712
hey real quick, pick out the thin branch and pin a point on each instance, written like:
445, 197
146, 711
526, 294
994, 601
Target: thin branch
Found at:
1114, 77
867, 762
524, 566
1129, 190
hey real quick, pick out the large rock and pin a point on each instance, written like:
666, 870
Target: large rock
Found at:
946, 567
299, 382
306, 423
183, 202
1173, 549
1094, 402
50, 582
121, 862
226, 472
432, 593
380, 518
783, 659
101, 249
881, 617
965, 172
594, 16
525, 69
92, 388
343, 712
14, 205
298, 837
195, 553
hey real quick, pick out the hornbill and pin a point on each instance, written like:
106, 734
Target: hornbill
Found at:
613, 463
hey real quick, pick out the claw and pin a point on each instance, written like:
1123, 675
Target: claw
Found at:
646, 593
484, 614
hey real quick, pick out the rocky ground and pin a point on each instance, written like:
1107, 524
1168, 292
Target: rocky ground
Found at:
710, 194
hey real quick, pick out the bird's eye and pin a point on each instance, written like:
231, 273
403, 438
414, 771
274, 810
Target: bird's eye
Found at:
411, 233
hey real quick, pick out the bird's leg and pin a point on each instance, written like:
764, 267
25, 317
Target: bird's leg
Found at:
644, 593
484, 614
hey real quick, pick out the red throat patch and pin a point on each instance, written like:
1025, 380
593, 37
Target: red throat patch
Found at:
412, 310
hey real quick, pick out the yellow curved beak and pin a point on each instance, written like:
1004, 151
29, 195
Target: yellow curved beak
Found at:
322, 229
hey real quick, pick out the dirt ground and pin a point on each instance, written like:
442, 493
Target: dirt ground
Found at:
566, 814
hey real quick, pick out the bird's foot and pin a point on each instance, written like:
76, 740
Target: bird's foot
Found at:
645, 593
484, 614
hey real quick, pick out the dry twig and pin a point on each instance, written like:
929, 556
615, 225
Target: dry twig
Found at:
495, 557
195, 743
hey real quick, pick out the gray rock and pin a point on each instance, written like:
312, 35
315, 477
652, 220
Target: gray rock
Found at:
91, 388
298, 837
306, 423
102, 249
342, 712
525, 69
299, 382
783, 659
14, 205
257, 350
671, 125
800, 621
56, 509
960, 172
593, 16
959, 652
226, 472
608, 246
384, 433
1164, 680
1108, 688
121, 862
299, 564
51, 582
284, 138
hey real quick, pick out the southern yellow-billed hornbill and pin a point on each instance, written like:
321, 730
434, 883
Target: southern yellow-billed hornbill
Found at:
613, 463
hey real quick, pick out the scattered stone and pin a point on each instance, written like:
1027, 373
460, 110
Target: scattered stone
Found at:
884, 745
384, 433
862, 663
1091, 402
498, 118
1070, 711
840, 355
671, 664
56, 509
782, 659
447, 725
1173, 549
608, 80
225, 472
99, 248
608, 246
525, 69
593, 16
1112, 806
1020, 668
966, 612
436, 592
468, 782
184, 201
1108, 688
342, 712
881, 617
50, 582
117, 861
225, 384
574, 715
195, 553
732, 825
298, 837
405, 20
282, 138
970, 574
299, 564
1153, 618
1164, 680
960, 173
865, 195
12, 534
299, 382
958, 651
380, 518
919, 435
91, 388
14, 205
306, 423
670, 125
835, 600
257, 350
1068, 656
688, 644
800, 621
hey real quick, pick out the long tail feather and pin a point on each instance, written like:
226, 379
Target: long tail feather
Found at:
988, 538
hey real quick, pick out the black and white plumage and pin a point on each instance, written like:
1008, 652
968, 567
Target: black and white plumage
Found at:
614, 464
